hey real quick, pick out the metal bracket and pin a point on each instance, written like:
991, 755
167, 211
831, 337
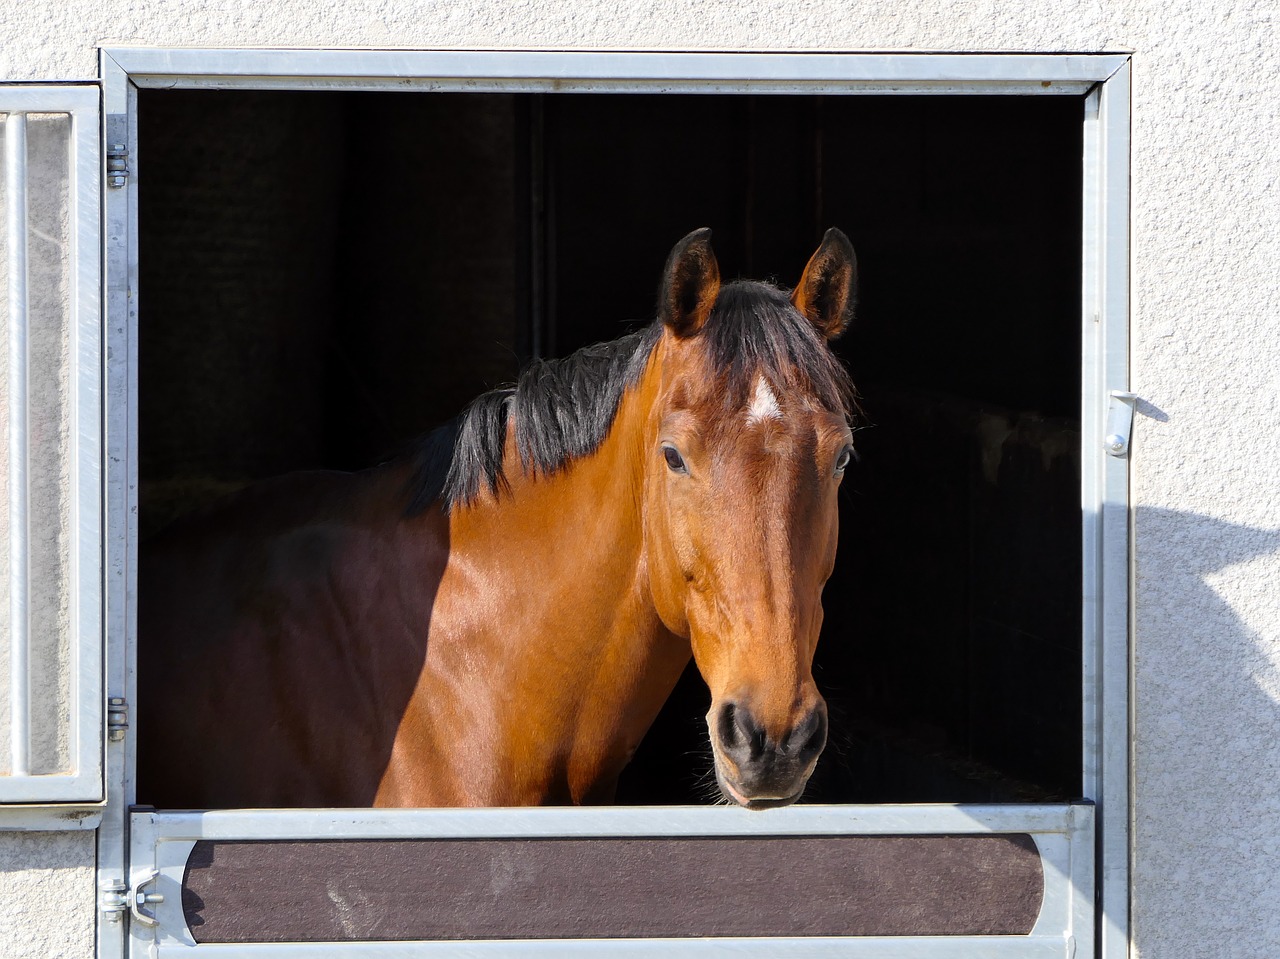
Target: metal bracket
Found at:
1119, 422
117, 718
138, 899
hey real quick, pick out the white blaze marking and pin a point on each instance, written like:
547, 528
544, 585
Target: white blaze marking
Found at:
764, 405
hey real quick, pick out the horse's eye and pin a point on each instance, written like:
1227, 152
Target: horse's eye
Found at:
842, 461
674, 462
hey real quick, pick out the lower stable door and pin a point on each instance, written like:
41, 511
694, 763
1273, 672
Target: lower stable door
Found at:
861, 881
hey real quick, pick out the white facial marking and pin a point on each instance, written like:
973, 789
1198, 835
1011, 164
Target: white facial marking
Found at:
764, 405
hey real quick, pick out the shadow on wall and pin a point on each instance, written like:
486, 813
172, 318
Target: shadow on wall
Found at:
1207, 735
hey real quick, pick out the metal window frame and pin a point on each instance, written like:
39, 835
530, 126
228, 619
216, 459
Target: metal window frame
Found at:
1107, 405
21, 790
1102, 79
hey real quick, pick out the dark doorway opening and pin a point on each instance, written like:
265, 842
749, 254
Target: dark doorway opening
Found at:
326, 275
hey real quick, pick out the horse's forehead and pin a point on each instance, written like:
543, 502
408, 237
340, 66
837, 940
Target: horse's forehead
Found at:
758, 400
772, 428
773, 409
764, 403
763, 408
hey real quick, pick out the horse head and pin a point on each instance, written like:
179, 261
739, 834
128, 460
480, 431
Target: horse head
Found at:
747, 442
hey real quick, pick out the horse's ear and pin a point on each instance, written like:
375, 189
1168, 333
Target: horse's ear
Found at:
828, 286
690, 284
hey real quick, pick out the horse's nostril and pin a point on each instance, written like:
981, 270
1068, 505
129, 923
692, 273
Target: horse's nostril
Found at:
818, 739
728, 725
811, 735
739, 733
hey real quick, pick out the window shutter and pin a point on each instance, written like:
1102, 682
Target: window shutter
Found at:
51, 690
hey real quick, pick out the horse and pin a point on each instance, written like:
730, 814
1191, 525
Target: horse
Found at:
495, 617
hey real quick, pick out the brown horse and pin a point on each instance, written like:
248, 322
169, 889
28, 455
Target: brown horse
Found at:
496, 618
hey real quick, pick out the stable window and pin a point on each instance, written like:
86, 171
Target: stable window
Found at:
299, 240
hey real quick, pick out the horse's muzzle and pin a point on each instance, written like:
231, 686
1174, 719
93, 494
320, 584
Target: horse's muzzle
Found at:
757, 771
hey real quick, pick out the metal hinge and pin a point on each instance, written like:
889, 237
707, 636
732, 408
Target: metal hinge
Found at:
117, 164
112, 900
117, 718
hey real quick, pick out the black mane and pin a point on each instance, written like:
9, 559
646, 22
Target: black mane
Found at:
563, 408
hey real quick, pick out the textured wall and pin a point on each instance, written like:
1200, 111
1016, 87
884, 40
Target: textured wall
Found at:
1206, 222
47, 896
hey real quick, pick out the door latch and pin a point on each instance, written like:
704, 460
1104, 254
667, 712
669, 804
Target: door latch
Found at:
1119, 422
139, 899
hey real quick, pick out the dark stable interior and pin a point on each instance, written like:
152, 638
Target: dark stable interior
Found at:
325, 276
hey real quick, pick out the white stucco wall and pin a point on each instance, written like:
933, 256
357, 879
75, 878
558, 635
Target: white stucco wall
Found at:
1206, 359
47, 896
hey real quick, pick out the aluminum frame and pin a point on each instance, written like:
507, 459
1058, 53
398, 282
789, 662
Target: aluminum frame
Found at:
120, 429
1104, 82
16, 215
1107, 666
519, 71
84, 782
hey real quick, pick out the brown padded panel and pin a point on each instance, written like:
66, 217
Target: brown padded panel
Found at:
329, 890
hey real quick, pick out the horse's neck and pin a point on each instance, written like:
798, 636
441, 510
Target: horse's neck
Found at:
564, 557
